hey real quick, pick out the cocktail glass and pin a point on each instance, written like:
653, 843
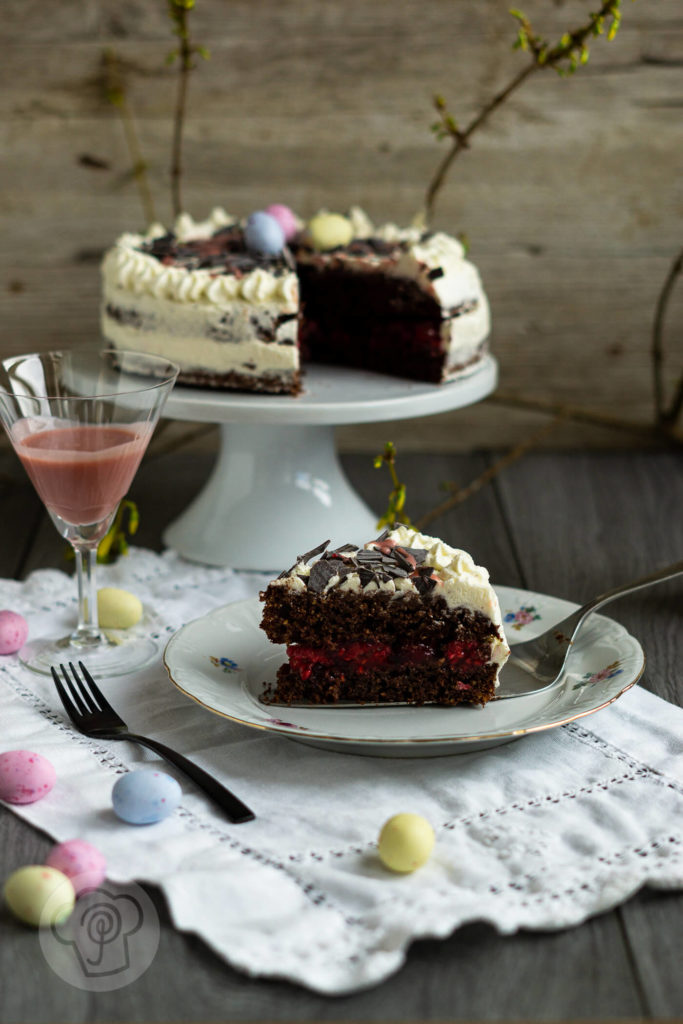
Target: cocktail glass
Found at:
80, 421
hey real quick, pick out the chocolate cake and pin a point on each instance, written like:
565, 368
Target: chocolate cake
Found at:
405, 618
234, 315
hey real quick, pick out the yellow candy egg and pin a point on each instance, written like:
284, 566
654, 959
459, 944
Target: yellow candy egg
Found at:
118, 609
328, 230
39, 895
405, 842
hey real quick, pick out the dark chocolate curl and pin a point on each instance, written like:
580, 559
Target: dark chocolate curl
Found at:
315, 551
321, 573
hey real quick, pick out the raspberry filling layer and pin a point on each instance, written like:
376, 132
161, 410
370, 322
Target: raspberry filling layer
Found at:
360, 656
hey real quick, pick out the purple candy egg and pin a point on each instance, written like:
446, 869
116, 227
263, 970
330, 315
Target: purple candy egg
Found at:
263, 234
13, 632
285, 217
25, 777
81, 862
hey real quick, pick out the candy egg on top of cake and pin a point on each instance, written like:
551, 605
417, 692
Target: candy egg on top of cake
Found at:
404, 618
238, 304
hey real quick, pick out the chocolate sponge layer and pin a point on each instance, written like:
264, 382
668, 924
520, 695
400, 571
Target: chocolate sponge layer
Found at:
337, 617
410, 684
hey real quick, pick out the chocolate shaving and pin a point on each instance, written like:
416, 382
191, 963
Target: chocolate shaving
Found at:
321, 574
419, 554
370, 555
423, 584
304, 558
396, 571
313, 552
343, 569
400, 555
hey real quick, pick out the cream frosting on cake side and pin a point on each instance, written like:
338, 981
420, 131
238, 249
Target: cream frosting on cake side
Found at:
209, 322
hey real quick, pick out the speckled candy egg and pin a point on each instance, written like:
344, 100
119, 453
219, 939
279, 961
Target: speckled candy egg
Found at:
118, 609
13, 631
405, 842
285, 217
263, 234
145, 796
81, 862
25, 777
39, 895
330, 230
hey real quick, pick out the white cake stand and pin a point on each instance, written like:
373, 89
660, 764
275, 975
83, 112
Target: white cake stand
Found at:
277, 488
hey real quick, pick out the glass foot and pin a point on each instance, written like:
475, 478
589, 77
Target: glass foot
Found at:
110, 658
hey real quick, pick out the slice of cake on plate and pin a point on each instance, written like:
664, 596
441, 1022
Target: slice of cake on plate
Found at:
237, 305
405, 618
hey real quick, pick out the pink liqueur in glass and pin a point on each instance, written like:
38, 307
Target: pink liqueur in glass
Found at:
80, 421
82, 472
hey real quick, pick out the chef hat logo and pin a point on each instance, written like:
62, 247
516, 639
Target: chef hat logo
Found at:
108, 941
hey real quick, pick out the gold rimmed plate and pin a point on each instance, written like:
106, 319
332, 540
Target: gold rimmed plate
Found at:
223, 661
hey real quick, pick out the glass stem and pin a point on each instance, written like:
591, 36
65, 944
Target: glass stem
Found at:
87, 633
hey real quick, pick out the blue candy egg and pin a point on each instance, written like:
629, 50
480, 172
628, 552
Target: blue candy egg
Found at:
264, 234
145, 796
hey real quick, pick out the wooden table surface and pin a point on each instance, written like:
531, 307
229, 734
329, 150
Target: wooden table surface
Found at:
571, 525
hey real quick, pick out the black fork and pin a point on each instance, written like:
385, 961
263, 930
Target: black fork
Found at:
93, 715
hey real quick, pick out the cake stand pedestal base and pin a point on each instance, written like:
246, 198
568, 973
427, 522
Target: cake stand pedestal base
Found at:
277, 488
260, 469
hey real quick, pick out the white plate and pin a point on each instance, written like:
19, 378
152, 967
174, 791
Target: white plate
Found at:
223, 660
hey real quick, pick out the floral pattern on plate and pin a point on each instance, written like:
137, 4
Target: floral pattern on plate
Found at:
598, 677
522, 617
226, 664
286, 725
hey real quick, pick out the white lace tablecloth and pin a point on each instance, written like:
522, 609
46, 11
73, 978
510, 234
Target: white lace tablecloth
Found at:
540, 834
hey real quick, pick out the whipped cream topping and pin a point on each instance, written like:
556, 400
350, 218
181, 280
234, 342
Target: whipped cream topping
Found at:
460, 582
126, 267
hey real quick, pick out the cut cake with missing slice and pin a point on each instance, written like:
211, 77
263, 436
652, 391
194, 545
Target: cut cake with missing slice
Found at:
405, 618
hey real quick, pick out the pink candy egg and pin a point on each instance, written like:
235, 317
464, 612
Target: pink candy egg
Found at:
285, 218
25, 777
81, 862
13, 632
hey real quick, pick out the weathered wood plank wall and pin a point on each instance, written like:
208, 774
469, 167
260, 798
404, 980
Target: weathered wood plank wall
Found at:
572, 198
